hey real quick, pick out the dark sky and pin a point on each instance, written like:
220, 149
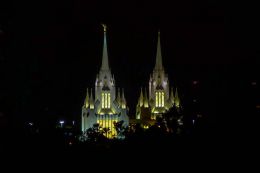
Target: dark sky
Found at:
51, 50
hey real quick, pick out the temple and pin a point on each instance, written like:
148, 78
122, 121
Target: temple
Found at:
160, 98
105, 107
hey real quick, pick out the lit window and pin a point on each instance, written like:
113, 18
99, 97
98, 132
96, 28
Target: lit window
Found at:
105, 100
102, 100
156, 99
159, 99
108, 106
162, 99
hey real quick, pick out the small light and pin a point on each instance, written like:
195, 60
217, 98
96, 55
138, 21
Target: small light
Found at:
253, 83
180, 122
30, 123
195, 82
193, 121
61, 122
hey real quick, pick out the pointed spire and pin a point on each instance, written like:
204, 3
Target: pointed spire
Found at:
172, 96
86, 103
177, 100
141, 98
158, 65
118, 99
123, 99
91, 101
105, 65
145, 99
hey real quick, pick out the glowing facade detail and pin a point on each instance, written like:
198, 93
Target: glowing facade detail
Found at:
107, 124
108, 100
103, 100
105, 108
160, 99
157, 99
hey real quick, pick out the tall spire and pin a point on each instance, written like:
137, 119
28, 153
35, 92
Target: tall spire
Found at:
86, 103
123, 99
105, 65
145, 99
158, 65
141, 98
91, 101
177, 100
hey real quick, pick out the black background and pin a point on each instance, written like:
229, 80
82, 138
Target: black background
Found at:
51, 52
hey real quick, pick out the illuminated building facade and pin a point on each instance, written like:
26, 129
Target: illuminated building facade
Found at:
107, 107
160, 98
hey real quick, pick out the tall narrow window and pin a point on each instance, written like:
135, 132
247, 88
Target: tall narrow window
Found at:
108, 100
102, 101
162, 99
156, 99
159, 99
105, 100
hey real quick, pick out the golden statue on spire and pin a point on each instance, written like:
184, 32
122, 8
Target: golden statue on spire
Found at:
105, 27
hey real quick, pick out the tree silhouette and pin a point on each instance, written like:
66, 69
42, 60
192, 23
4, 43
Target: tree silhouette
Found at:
120, 129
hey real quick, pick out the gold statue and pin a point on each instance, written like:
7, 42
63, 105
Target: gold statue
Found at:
105, 27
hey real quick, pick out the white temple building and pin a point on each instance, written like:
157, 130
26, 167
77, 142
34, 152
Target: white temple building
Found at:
159, 98
105, 107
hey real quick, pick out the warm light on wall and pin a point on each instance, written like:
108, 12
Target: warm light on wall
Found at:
146, 126
107, 121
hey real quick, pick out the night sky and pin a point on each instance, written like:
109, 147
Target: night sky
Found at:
51, 52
